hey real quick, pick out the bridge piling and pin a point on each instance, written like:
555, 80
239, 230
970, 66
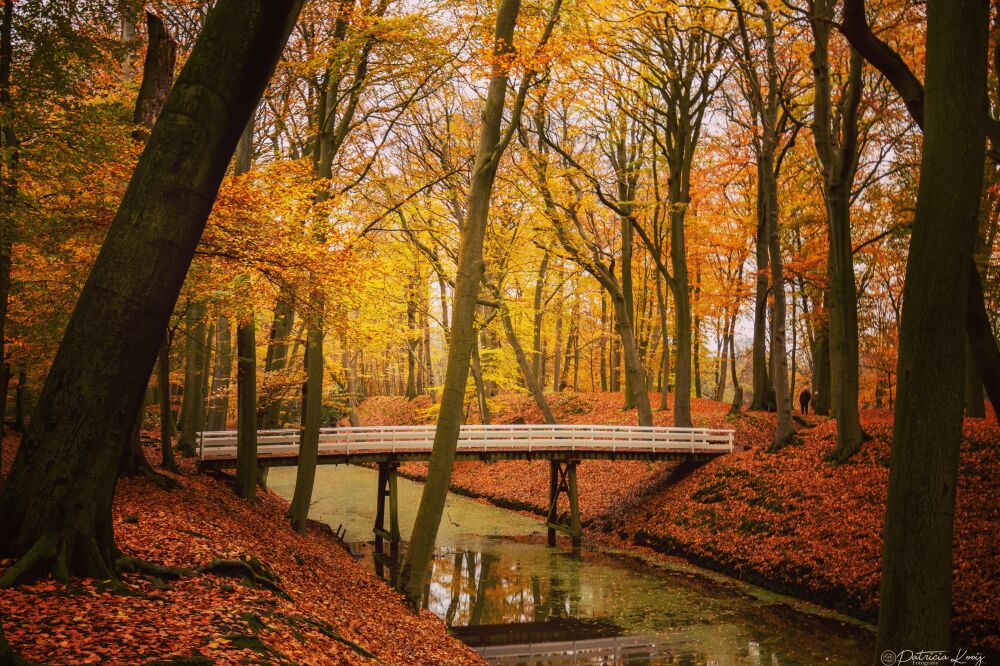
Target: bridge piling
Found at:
387, 476
562, 480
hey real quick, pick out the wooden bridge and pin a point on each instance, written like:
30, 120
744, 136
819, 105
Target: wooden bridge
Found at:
564, 446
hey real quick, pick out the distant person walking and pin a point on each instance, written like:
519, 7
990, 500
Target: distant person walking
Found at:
804, 399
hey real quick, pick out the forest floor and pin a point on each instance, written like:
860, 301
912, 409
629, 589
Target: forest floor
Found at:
336, 611
789, 521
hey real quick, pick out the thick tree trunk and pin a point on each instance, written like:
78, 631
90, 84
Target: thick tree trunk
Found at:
467, 283
57, 500
916, 589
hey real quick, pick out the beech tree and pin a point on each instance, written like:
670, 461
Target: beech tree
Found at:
494, 139
915, 598
57, 500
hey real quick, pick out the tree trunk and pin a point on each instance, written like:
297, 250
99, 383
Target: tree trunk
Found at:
312, 408
411, 339
539, 314
533, 385
57, 500
821, 388
682, 321
629, 303
246, 409
277, 352
467, 282
247, 472
347, 360
166, 414
661, 302
981, 339
20, 399
761, 377
477, 376
785, 430
975, 404
836, 136
192, 410
557, 352
634, 375
218, 410
916, 588
8, 197
604, 342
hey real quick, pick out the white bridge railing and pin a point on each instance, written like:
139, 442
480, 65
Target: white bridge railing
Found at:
221, 445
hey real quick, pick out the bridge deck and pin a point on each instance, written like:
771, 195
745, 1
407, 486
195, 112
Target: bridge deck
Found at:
277, 448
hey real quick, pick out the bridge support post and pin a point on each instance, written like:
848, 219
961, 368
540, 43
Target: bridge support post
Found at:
562, 480
387, 475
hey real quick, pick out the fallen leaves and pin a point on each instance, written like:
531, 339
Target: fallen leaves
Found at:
339, 612
790, 520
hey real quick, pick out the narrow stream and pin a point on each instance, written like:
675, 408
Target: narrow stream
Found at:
517, 601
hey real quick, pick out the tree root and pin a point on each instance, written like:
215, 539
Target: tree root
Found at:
43, 549
250, 570
126, 564
162, 481
327, 630
789, 440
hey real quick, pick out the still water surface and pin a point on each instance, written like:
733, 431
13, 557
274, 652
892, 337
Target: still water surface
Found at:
503, 591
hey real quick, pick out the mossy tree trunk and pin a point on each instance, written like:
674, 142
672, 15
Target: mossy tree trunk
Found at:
57, 501
469, 275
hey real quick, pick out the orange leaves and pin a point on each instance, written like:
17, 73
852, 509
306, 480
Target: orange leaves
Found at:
223, 619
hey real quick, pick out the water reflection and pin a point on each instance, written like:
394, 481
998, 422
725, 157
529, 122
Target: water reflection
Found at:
502, 590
